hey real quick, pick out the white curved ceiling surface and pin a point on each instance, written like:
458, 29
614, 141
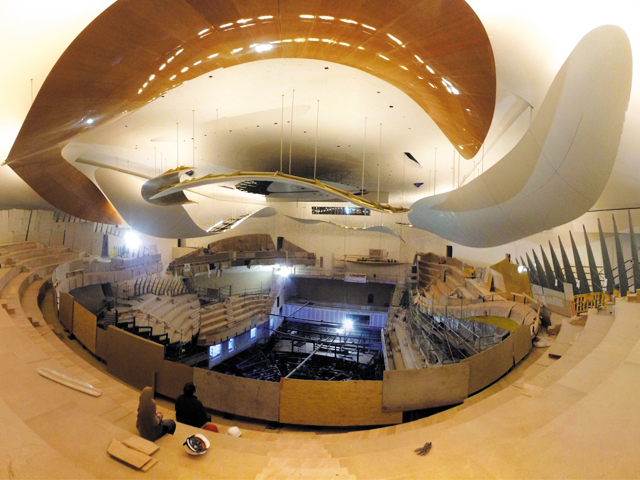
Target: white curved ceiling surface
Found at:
562, 164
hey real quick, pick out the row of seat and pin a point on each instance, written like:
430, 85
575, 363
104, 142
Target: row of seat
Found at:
574, 417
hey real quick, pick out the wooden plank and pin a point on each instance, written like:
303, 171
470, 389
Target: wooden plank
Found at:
141, 445
488, 366
521, 342
172, 377
350, 403
132, 359
66, 311
147, 466
240, 396
404, 390
127, 455
85, 324
102, 343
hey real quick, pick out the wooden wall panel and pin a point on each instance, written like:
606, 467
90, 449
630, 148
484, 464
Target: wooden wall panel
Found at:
172, 377
66, 311
132, 359
488, 366
521, 342
404, 390
241, 396
85, 324
102, 343
310, 402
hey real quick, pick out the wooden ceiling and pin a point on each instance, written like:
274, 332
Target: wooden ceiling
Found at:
436, 51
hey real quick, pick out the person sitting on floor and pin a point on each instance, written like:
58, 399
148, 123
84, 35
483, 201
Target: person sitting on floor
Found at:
189, 409
151, 424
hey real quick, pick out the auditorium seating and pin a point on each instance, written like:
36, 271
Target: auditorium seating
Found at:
571, 417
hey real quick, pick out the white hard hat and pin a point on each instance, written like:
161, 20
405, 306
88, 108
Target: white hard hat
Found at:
196, 444
234, 432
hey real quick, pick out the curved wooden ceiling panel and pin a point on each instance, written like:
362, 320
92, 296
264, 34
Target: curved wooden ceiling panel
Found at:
436, 51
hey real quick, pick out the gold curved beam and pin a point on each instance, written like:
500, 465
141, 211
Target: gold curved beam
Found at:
282, 177
436, 52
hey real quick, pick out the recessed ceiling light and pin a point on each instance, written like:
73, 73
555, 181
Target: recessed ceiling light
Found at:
170, 60
394, 39
430, 69
236, 50
244, 20
383, 57
89, 121
264, 47
162, 66
184, 69
172, 77
197, 63
201, 32
265, 17
403, 67
152, 77
226, 25
213, 56
145, 85
179, 51
326, 17
348, 21
367, 26
307, 16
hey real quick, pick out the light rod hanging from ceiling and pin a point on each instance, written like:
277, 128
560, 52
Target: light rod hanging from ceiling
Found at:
293, 96
315, 159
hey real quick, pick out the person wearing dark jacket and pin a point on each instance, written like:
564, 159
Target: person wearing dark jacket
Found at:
189, 409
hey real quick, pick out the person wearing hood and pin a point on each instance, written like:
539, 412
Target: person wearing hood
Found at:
151, 424
189, 409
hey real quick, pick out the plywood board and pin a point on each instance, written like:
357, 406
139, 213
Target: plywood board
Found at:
521, 342
404, 390
310, 402
488, 366
66, 311
132, 359
85, 324
102, 343
241, 396
141, 445
127, 455
172, 377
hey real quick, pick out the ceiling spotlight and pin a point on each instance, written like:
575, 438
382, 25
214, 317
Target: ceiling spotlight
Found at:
394, 39
264, 47
90, 121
